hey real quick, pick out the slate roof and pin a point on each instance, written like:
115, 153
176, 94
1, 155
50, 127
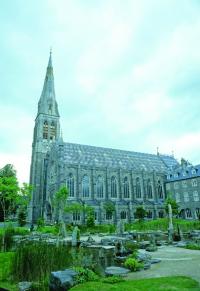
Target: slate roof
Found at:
93, 156
183, 173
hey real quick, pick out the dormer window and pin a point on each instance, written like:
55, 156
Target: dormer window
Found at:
194, 171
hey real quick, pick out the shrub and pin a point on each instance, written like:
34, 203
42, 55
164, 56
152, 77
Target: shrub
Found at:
34, 261
133, 264
90, 221
131, 246
85, 275
113, 279
40, 222
193, 246
8, 237
22, 217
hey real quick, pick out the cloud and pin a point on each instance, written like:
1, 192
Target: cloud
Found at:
126, 74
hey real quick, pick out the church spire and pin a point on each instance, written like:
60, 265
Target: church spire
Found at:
47, 103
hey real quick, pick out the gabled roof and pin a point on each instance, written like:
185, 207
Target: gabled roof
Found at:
93, 156
183, 172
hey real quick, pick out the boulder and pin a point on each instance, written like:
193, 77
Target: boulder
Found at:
62, 280
116, 271
155, 261
24, 286
143, 257
181, 244
147, 265
151, 248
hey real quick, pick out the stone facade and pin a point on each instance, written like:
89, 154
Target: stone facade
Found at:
93, 175
184, 185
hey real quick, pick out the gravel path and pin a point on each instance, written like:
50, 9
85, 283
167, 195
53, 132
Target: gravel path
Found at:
175, 261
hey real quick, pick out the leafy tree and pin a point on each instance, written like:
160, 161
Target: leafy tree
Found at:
22, 200
174, 205
8, 189
60, 204
22, 218
8, 171
140, 213
109, 207
90, 216
8, 194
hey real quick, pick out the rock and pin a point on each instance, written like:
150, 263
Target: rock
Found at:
144, 244
116, 271
107, 242
147, 265
143, 257
24, 286
62, 280
181, 244
151, 248
155, 261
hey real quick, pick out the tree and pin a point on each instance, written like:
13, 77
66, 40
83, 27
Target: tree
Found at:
8, 190
174, 205
8, 195
23, 199
140, 213
60, 204
109, 207
90, 216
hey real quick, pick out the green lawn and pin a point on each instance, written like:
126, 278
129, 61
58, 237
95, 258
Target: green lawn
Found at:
155, 284
162, 224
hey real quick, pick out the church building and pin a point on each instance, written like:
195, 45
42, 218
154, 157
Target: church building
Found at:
93, 175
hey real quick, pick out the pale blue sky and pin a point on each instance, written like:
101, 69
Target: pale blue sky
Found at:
127, 74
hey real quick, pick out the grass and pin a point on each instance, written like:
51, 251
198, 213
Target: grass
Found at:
162, 224
193, 246
5, 271
179, 283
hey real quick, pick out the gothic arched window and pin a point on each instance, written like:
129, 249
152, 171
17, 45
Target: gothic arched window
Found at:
45, 130
52, 131
160, 190
99, 187
188, 213
138, 188
123, 214
126, 187
113, 187
149, 189
70, 185
76, 216
85, 186
149, 214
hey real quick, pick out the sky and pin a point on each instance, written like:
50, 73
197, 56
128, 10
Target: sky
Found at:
127, 74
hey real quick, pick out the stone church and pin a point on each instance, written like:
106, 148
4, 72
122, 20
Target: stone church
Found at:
93, 175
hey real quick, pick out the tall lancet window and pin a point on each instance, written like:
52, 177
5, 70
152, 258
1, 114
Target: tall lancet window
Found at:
45, 130
160, 190
70, 185
126, 187
138, 188
99, 186
149, 189
85, 186
113, 187
52, 131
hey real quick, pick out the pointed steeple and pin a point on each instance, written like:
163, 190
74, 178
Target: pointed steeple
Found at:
47, 103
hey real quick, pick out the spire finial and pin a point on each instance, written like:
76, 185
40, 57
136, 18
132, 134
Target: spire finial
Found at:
50, 59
